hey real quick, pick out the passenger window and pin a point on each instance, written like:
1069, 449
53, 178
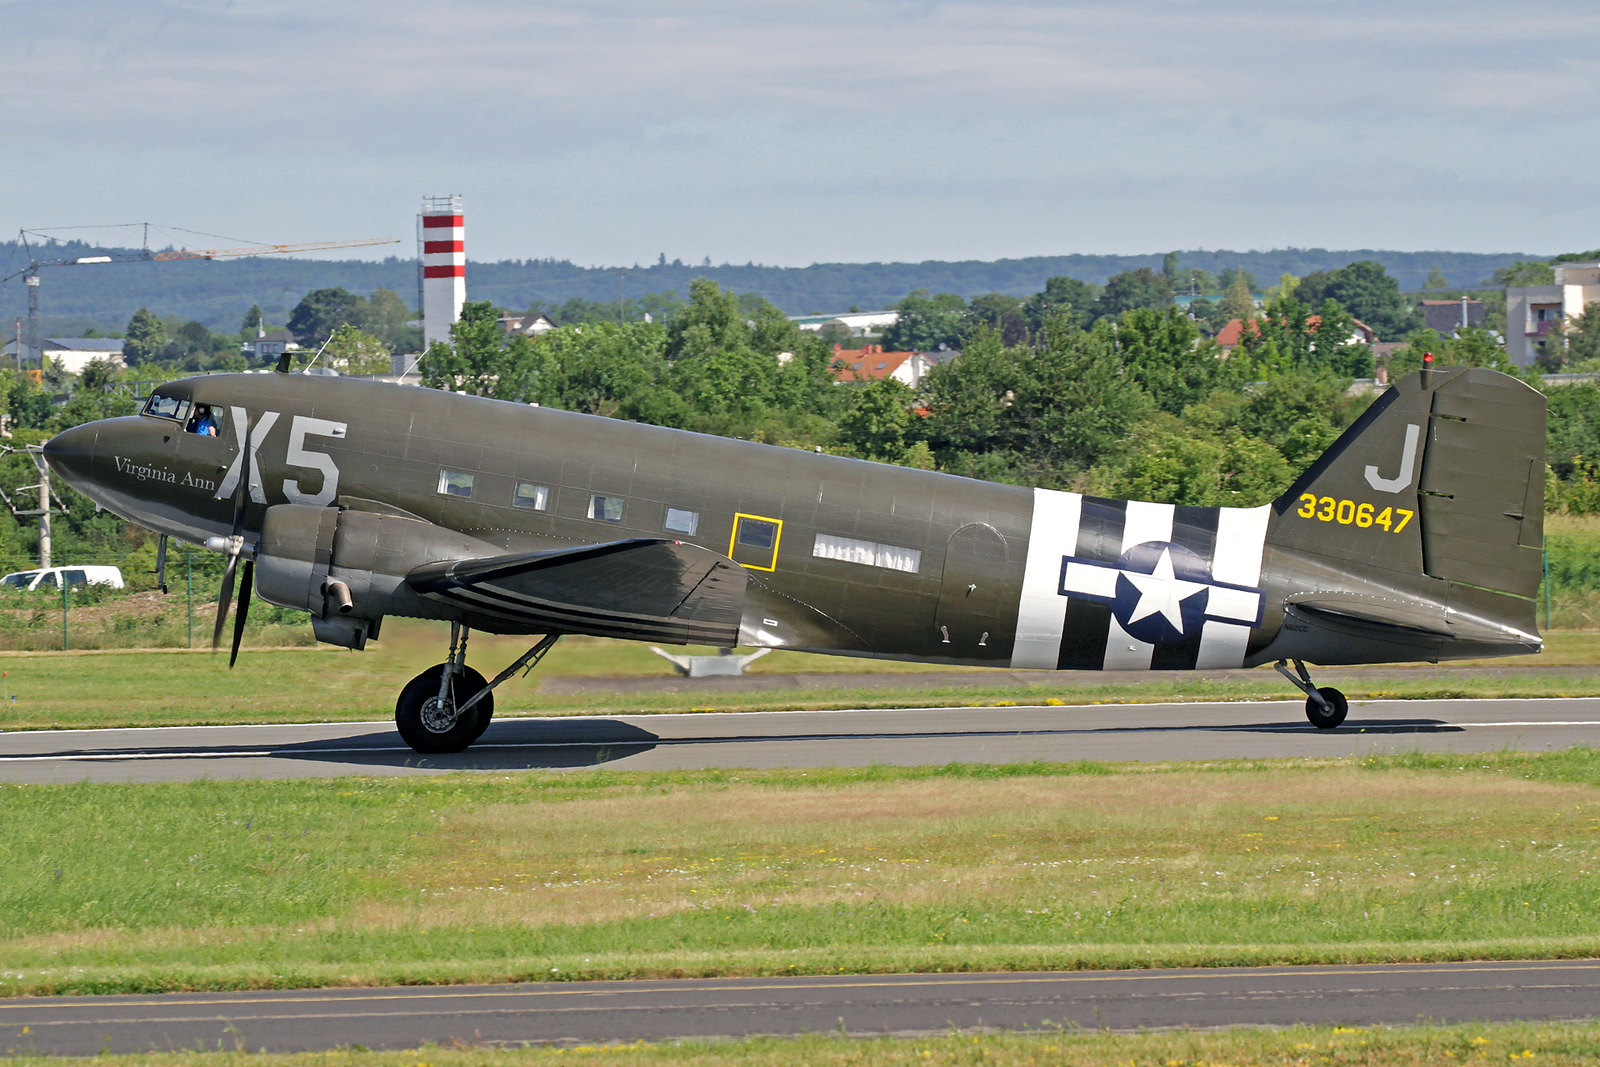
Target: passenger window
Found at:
605, 508
755, 542
74, 577
526, 495
679, 520
455, 483
47, 580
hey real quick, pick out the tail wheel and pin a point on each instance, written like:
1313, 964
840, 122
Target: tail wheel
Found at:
432, 726
1326, 719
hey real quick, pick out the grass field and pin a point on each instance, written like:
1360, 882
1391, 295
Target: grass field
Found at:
1558, 1045
602, 874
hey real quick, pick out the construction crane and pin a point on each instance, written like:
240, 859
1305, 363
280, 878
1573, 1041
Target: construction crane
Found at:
30, 273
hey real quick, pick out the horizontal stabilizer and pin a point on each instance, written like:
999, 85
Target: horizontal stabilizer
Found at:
644, 589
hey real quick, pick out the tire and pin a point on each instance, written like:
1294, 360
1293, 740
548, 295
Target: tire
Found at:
416, 712
1338, 708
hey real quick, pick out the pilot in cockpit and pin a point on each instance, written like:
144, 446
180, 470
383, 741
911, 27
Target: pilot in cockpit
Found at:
205, 421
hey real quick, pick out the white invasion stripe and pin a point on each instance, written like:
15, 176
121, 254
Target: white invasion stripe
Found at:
1241, 537
1143, 521
1241, 533
1222, 644
1042, 610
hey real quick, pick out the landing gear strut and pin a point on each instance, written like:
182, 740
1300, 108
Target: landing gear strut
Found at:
1325, 707
448, 706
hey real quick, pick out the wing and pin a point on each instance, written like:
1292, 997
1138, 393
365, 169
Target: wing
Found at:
644, 589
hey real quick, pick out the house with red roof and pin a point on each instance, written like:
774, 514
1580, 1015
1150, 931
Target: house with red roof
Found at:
1229, 336
872, 364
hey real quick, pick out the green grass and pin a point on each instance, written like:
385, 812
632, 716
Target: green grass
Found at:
604, 874
1557, 1044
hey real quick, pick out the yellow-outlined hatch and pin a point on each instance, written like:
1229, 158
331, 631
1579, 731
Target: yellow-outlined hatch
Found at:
754, 541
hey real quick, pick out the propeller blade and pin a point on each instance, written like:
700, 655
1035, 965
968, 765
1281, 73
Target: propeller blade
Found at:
244, 609
161, 563
223, 600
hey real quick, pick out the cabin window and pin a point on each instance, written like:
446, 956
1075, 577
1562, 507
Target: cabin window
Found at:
605, 508
682, 521
755, 542
455, 483
870, 553
167, 407
527, 495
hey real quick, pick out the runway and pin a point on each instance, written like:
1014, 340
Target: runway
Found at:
905, 736
862, 1006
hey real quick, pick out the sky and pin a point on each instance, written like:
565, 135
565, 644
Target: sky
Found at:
788, 132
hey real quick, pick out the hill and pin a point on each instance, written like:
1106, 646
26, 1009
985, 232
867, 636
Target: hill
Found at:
217, 293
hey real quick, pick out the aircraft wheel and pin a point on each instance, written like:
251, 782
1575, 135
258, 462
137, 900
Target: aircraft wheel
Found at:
1338, 708
431, 727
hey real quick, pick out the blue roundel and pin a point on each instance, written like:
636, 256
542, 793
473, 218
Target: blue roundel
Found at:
1162, 592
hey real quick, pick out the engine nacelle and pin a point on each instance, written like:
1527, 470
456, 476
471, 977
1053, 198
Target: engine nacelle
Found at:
348, 568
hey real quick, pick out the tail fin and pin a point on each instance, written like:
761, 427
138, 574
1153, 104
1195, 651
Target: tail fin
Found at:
1428, 513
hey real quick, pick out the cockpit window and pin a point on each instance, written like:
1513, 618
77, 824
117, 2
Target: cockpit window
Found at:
167, 407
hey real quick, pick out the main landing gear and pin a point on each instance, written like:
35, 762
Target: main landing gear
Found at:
449, 705
1325, 707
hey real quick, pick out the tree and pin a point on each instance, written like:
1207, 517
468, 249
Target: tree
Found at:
319, 313
353, 351
878, 423
386, 317
479, 360
1001, 313
712, 322
927, 323
1142, 288
1436, 282
146, 336
1237, 301
1165, 356
1367, 291
1061, 296
1524, 272
252, 322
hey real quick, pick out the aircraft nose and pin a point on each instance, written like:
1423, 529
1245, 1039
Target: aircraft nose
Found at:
70, 453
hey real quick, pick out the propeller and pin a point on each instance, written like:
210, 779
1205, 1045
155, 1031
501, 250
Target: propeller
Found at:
235, 548
161, 564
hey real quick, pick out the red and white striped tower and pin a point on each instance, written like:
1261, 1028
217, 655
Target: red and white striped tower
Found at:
444, 266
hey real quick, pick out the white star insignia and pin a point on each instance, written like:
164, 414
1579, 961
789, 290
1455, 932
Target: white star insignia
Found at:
1162, 593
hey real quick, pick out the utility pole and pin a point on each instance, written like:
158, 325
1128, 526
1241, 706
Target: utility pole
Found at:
44, 508
35, 454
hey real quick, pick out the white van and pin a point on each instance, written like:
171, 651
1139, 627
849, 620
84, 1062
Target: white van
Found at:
55, 577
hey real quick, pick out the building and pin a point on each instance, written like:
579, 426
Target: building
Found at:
872, 364
525, 325
1229, 336
857, 323
1450, 317
269, 344
1533, 312
73, 354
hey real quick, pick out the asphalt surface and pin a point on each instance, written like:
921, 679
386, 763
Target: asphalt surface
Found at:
864, 1006
907, 736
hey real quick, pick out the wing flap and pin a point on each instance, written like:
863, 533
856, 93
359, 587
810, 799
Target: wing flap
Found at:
644, 589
